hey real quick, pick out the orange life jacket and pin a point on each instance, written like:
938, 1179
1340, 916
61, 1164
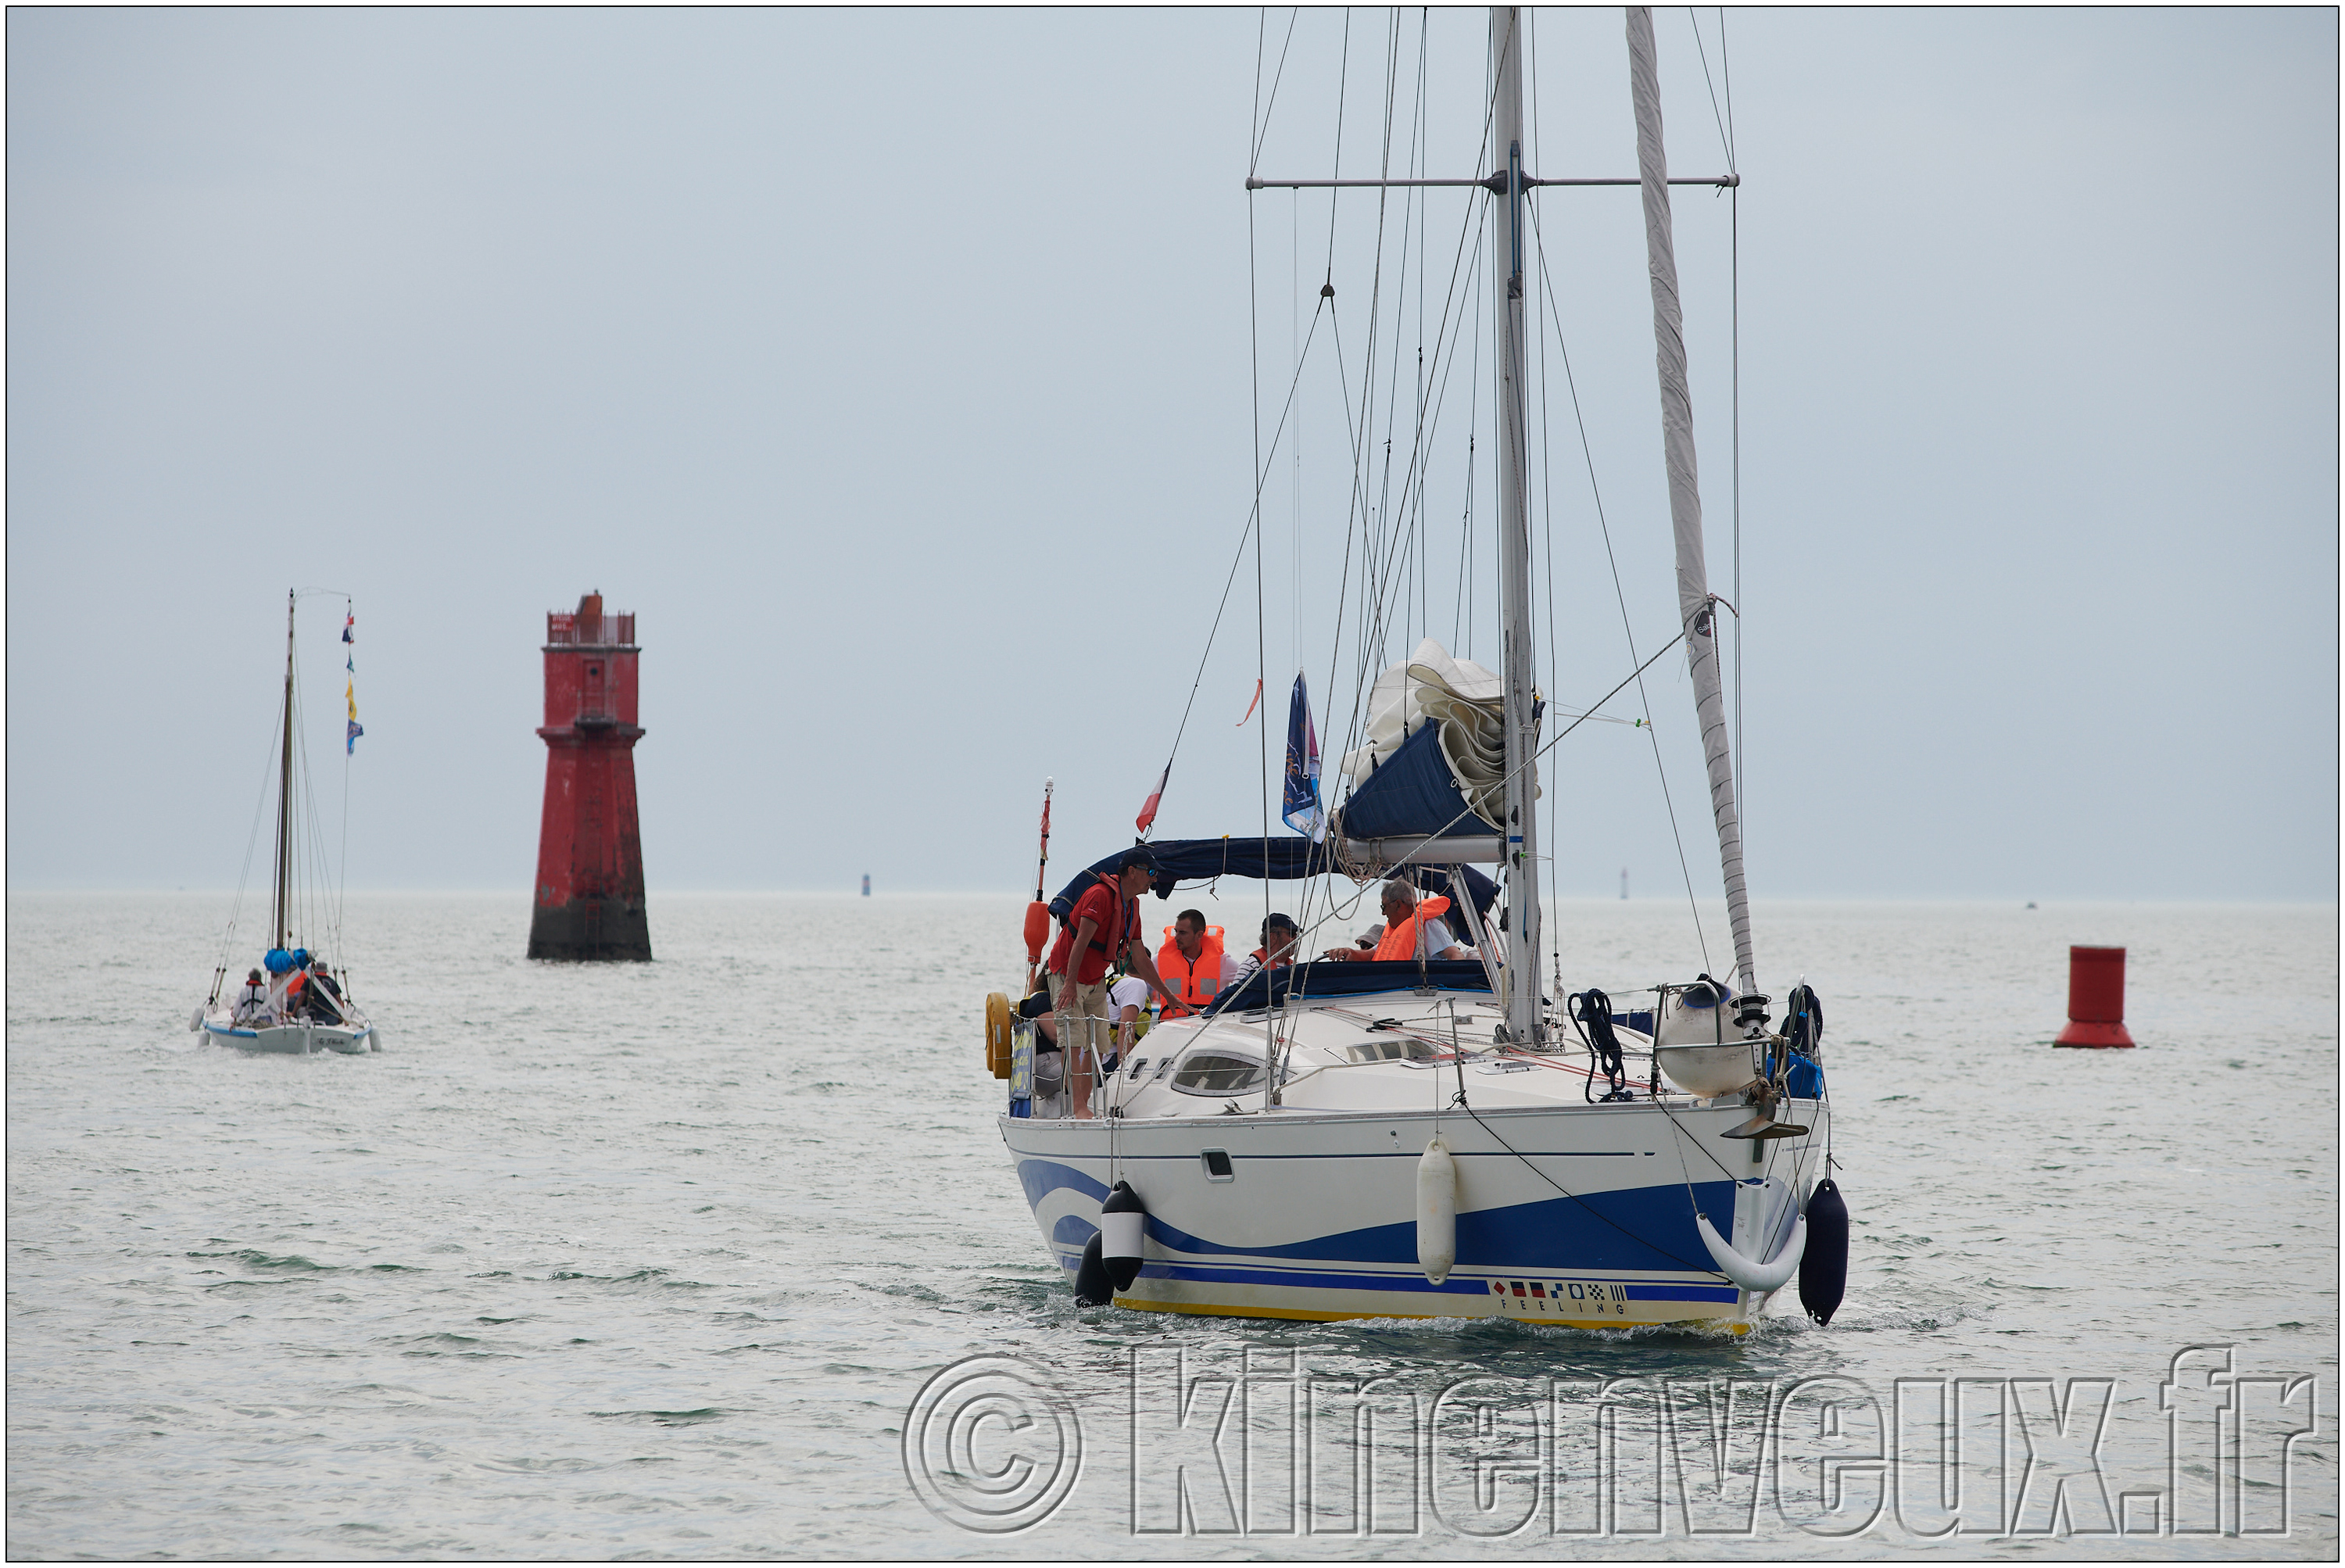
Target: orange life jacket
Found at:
1193, 984
1399, 940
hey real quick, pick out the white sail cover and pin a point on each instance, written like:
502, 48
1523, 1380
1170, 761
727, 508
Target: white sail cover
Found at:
1694, 610
1466, 700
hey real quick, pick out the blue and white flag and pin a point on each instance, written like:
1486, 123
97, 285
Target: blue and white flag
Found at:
1301, 810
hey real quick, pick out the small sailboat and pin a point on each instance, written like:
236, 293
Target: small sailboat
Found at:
1437, 1131
293, 1002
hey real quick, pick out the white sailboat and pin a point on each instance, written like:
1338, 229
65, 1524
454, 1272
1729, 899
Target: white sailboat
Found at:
1431, 1137
297, 1006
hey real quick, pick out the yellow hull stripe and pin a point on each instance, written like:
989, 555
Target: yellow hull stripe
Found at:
1207, 1309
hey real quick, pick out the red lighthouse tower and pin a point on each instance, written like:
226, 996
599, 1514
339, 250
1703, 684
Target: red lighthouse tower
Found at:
590, 851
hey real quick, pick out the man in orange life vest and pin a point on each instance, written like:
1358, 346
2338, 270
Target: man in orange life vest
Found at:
1103, 925
1412, 930
1191, 962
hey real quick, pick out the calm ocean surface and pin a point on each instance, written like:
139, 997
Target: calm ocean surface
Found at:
653, 1260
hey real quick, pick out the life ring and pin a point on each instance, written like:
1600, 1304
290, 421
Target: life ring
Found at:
997, 1034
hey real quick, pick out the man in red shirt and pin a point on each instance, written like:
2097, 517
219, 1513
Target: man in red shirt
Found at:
1104, 924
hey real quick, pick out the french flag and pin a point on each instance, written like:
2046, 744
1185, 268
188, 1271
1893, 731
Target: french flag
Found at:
1147, 818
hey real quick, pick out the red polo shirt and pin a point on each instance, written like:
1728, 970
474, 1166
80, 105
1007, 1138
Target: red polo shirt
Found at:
1105, 906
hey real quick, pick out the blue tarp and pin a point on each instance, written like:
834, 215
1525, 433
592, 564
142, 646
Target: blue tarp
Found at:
1410, 792
1277, 860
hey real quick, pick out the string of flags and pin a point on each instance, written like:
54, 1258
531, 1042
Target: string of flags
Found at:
351, 683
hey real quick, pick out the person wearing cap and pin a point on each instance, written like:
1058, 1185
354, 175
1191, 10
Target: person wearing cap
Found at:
1279, 940
1103, 926
252, 1001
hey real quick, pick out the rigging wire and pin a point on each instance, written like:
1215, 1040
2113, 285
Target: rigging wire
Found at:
1628, 631
1446, 342
251, 843
1725, 138
1363, 649
1262, 111
1253, 518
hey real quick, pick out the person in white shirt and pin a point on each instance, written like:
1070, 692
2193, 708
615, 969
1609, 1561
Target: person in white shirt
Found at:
1127, 999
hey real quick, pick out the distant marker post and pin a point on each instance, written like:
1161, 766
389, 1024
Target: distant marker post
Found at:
2095, 998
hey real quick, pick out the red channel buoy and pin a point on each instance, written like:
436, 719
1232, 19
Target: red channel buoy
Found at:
2095, 998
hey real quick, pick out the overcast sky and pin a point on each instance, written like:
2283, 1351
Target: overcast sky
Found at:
894, 367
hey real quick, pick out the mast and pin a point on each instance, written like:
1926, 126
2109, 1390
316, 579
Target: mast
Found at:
1696, 611
1524, 1021
285, 788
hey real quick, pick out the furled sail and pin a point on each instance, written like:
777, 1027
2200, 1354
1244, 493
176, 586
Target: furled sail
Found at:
1695, 611
1437, 748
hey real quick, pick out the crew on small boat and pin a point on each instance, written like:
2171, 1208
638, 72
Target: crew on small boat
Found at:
1192, 963
1103, 925
1407, 922
325, 996
252, 1001
1279, 940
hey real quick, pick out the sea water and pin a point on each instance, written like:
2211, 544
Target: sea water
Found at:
721, 1255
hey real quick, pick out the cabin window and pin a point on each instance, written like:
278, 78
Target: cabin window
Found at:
1392, 1051
1217, 1165
1211, 1073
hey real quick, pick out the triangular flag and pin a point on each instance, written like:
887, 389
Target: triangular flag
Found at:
1147, 816
1300, 810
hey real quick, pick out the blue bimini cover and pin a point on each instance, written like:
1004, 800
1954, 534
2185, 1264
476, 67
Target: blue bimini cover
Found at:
1278, 859
1309, 982
1413, 792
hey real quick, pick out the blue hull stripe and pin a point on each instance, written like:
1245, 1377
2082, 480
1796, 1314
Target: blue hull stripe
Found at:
1645, 1230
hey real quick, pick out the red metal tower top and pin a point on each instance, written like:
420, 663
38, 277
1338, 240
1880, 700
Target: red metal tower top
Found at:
589, 668
588, 627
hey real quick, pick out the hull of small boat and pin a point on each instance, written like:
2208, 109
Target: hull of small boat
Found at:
293, 1039
1580, 1215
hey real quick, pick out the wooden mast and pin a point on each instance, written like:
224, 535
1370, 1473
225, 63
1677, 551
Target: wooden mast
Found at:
285, 788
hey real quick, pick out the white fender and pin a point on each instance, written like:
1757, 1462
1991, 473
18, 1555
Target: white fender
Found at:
1760, 1278
1436, 1211
1122, 1236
